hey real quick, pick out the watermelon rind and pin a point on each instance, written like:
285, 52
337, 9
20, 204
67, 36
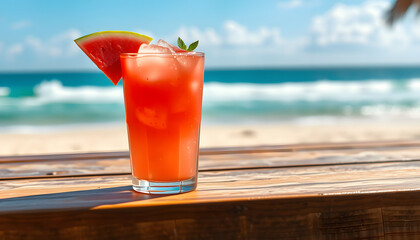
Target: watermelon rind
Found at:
124, 33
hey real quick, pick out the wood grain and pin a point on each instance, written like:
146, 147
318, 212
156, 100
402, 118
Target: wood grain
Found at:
214, 186
323, 217
347, 191
223, 150
239, 161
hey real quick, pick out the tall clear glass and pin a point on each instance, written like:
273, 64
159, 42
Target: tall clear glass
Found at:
163, 101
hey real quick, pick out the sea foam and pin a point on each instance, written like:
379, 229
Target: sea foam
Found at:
53, 91
325, 90
4, 91
55, 103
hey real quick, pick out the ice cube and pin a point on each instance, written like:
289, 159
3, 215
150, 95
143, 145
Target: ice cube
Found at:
152, 117
158, 68
174, 49
152, 48
189, 61
161, 68
162, 43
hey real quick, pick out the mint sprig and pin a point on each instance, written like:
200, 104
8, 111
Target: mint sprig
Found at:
190, 48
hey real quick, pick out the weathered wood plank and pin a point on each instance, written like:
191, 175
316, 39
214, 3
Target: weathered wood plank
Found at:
310, 147
321, 217
64, 168
355, 224
63, 157
402, 222
120, 166
340, 192
213, 186
222, 150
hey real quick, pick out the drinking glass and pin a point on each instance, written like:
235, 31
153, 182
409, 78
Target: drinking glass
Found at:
163, 102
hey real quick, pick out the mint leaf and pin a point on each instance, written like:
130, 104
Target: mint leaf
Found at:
193, 46
181, 44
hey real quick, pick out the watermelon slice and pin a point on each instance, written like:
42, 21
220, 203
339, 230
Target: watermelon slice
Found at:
104, 49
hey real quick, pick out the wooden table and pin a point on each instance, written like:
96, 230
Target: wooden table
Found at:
316, 191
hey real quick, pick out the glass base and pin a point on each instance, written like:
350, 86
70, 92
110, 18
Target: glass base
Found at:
149, 187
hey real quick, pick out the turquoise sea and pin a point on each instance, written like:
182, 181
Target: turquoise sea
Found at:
42, 101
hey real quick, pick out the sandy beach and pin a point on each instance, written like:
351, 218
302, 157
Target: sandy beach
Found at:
115, 138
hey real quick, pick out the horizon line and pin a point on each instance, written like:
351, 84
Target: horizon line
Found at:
230, 68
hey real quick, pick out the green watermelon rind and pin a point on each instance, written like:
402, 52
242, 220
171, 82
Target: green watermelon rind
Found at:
97, 35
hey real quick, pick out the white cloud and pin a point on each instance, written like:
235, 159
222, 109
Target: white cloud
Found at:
237, 39
15, 50
38, 46
290, 4
237, 34
207, 37
362, 24
61, 44
416, 29
233, 34
21, 24
66, 41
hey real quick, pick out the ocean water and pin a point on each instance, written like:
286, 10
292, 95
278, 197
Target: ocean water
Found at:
33, 102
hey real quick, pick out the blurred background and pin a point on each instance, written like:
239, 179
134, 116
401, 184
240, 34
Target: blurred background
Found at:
277, 72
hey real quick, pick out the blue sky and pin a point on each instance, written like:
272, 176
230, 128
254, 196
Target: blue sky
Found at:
37, 35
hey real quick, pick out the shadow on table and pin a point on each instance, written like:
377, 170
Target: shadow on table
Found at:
73, 200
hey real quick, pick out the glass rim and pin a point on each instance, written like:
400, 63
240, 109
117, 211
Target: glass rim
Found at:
128, 55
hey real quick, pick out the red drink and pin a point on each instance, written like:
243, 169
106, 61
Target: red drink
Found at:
163, 96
